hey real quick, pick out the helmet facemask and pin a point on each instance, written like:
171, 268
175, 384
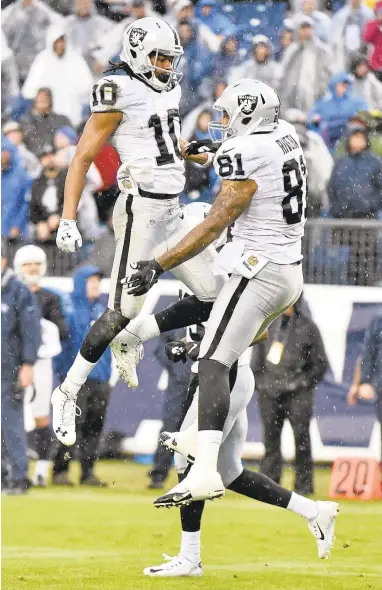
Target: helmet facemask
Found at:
220, 131
161, 77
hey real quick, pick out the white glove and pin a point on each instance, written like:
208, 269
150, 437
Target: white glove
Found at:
68, 237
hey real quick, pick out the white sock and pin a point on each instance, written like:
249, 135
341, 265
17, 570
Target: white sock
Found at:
303, 506
42, 468
190, 546
143, 329
207, 449
77, 374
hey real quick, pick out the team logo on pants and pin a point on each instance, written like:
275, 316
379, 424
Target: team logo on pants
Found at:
136, 35
249, 103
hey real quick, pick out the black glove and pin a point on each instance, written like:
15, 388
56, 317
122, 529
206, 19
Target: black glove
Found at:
176, 351
204, 146
148, 273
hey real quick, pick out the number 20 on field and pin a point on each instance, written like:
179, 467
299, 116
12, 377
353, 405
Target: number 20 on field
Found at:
356, 479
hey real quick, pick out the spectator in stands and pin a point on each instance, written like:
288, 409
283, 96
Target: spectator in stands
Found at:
228, 58
64, 7
372, 121
20, 341
94, 395
355, 188
321, 20
318, 160
184, 10
210, 14
287, 368
372, 34
367, 381
196, 65
86, 30
286, 39
260, 66
346, 32
40, 123
9, 77
305, 69
64, 141
24, 23
14, 132
331, 113
65, 72
47, 197
15, 186
200, 180
365, 84
190, 121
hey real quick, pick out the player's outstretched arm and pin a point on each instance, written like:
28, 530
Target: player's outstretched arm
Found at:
233, 199
97, 131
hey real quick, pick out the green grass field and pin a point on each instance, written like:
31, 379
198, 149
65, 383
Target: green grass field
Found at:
102, 539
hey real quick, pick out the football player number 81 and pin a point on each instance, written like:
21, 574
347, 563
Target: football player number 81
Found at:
105, 94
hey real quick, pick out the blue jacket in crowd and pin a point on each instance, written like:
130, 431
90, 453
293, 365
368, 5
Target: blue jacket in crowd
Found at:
81, 317
15, 186
336, 110
372, 356
355, 187
20, 326
216, 20
197, 60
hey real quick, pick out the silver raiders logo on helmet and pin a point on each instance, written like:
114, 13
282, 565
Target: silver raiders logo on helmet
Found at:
136, 35
249, 103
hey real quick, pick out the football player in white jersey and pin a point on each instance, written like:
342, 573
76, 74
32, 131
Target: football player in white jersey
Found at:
139, 111
263, 194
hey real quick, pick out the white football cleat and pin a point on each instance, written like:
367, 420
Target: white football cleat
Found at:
183, 442
322, 527
65, 410
198, 485
127, 356
174, 567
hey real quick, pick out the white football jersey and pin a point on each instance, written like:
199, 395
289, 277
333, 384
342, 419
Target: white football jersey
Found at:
273, 224
147, 139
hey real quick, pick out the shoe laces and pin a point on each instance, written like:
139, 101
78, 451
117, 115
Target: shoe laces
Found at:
69, 411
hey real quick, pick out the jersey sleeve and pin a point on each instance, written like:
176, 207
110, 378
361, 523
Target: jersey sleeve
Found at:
109, 95
238, 159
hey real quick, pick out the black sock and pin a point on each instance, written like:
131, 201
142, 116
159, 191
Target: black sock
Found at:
214, 394
102, 332
183, 313
260, 487
43, 438
191, 515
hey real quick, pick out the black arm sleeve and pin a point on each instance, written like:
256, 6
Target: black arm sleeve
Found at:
183, 313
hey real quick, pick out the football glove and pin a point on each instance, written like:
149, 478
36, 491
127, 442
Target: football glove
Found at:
148, 273
68, 237
194, 148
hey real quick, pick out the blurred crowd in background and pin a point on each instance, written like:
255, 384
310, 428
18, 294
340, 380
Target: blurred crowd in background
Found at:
323, 57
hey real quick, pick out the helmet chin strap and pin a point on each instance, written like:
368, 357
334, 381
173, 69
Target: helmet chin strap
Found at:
254, 126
